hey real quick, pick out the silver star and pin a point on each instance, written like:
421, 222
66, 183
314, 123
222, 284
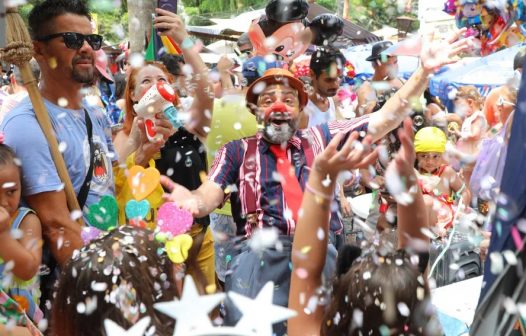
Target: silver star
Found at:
192, 310
113, 329
260, 313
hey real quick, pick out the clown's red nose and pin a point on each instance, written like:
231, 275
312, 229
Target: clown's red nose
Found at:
278, 107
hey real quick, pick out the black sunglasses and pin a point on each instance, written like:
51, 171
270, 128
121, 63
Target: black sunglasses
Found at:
75, 40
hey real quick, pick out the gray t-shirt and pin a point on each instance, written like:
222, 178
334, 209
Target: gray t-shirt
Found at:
23, 133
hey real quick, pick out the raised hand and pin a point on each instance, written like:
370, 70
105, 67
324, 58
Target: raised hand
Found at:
147, 149
180, 195
437, 53
171, 24
353, 155
400, 175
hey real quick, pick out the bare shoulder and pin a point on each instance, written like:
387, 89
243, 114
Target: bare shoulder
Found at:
30, 221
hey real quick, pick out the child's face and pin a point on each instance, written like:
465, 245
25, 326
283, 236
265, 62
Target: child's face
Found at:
10, 188
429, 162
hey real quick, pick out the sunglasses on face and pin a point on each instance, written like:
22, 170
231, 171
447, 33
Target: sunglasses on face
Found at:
501, 102
76, 40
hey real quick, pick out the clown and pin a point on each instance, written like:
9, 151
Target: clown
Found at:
440, 184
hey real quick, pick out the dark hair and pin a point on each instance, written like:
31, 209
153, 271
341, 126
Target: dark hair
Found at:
120, 84
172, 63
323, 58
518, 60
122, 274
243, 39
42, 14
376, 286
7, 155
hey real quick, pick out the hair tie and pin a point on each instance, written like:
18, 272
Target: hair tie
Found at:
1, 138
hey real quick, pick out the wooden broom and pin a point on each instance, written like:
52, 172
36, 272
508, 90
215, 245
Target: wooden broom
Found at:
19, 51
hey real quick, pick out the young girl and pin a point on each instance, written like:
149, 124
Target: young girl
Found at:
438, 180
467, 105
20, 250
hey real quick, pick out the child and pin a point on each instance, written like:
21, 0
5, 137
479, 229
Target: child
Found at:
468, 105
438, 180
20, 248
118, 277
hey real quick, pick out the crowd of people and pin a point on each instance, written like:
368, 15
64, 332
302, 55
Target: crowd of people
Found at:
265, 161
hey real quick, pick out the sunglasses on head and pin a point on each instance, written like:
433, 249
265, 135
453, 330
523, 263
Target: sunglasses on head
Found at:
501, 102
75, 40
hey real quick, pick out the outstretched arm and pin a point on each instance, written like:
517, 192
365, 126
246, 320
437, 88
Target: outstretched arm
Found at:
310, 240
201, 109
411, 209
434, 55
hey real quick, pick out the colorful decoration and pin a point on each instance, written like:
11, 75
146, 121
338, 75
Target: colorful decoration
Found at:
89, 233
177, 248
173, 220
137, 209
450, 7
143, 181
284, 31
155, 43
103, 215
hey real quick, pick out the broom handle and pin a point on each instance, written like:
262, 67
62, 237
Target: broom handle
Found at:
47, 129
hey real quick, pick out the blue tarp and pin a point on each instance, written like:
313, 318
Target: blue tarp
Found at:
485, 73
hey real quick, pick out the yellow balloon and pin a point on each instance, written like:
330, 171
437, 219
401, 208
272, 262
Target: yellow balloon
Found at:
177, 248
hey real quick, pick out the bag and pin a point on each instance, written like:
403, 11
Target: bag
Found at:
249, 271
487, 173
462, 253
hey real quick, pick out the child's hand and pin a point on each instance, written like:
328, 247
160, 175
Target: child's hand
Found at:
353, 155
4, 220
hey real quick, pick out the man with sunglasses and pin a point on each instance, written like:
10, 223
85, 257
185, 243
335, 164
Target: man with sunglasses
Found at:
64, 47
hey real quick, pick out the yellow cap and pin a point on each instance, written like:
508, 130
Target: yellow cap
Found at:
430, 139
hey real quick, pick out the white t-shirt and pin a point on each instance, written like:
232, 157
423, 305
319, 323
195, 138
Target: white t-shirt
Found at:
318, 117
24, 135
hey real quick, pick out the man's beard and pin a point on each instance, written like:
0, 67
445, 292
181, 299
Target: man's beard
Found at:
279, 134
86, 76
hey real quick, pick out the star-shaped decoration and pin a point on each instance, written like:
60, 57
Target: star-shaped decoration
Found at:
253, 318
113, 329
192, 310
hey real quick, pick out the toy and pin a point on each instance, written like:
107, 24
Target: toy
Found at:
158, 98
285, 32
173, 220
450, 7
103, 215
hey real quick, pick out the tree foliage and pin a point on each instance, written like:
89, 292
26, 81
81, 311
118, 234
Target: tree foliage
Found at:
112, 20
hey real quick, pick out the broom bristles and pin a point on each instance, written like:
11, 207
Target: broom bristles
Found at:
19, 47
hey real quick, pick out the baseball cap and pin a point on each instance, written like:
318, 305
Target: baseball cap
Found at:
378, 49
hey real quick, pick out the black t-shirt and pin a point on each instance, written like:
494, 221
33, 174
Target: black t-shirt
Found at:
183, 159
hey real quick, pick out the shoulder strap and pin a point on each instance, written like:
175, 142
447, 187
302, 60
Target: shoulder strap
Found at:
21, 214
84, 189
250, 169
